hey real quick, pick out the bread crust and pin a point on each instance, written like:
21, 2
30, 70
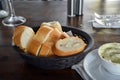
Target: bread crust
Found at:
16, 39
18, 30
19, 36
34, 47
46, 49
62, 52
53, 24
41, 36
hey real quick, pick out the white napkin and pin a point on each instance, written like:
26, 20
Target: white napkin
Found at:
80, 70
97, 25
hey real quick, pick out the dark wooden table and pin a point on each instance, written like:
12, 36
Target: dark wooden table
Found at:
12, 66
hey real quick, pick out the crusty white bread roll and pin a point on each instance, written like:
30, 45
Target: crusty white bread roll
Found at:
46, 49
22, 36
41, 36
19, 29
56, 24
53, 24
69, 46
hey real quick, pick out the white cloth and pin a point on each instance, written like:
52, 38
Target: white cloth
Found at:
96, 25
80, 70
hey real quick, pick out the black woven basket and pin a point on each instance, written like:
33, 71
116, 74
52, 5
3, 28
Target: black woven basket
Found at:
58, 62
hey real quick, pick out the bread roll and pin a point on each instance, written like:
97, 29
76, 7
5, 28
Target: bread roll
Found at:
69, 46
41, 36
19, 29
22, 35
53, 24
46, 49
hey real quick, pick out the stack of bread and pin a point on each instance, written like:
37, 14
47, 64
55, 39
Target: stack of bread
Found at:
49, 40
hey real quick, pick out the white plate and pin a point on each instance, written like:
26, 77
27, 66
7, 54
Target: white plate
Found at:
95, 70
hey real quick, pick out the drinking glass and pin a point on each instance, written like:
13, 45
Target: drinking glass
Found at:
13, 20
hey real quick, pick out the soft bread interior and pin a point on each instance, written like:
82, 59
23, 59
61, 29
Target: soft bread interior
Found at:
69, 46
26, 37
22, 36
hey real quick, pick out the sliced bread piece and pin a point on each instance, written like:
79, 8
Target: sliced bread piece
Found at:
19, 29
69, 46
46, 49
53, 24
41, 36
22, 35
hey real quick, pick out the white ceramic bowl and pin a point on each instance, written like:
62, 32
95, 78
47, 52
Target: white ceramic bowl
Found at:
109, 54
